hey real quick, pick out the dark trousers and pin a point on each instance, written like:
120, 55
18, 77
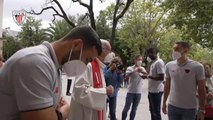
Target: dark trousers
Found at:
131, 99
69, 82
176, 113
112, 107
155, 105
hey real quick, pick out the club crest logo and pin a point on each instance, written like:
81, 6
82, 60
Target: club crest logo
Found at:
19, 16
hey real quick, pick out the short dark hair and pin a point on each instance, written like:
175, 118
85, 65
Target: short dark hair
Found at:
206, 63
183, 44
87, 35
152, 50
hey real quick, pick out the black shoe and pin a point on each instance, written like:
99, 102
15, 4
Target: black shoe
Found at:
68, 94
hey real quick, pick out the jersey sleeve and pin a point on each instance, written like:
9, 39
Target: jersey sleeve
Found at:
200, 72
167, 74
33, 83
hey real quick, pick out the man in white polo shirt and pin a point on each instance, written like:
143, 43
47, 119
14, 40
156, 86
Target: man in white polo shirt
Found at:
30, 83
155, 84
184, 79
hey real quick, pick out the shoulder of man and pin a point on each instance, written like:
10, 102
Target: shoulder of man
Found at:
171, 63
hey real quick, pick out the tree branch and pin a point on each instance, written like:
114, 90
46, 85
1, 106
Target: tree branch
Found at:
63, 15
86, 15
81, 3
46, 8
90, 10
125, 9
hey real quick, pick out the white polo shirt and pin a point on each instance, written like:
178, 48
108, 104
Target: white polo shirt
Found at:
183, 83
156, 68
29, 80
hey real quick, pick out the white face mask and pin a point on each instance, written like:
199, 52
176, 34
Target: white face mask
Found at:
109, 57
74, 67
139, 63
176, 55
149, 59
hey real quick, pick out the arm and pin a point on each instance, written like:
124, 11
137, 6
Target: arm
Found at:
200, 77
159, 78
201, 94
42, 114
34, 84
202, 98
167, 86
129, 71
48, 113
165, 95
160, 71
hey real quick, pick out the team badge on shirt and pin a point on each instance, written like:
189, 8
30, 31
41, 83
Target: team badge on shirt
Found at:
187, 70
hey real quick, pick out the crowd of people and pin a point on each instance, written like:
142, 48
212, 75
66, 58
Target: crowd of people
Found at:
30, 82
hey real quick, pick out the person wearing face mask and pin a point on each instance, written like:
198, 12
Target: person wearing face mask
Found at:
209, 90
88, 100
113, 76
30, 87
155, 83
109, 58
133, 96
184, 79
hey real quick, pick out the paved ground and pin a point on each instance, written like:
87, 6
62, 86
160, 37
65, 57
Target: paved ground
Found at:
143, 108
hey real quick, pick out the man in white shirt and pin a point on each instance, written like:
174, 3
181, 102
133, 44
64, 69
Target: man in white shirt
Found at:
30, 83
155, 83
133, 97
184, 79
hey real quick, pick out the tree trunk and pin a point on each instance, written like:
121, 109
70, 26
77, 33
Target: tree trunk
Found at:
112, 41
92, 19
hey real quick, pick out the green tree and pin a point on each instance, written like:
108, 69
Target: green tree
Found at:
194, 18
10, 46
31, 33
102, 26
141, 31
167, 41
58, 29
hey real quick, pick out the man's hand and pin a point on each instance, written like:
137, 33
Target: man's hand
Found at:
110, 90
112, 67
164, 107
64, 108
144, 76
200, 115
141, 70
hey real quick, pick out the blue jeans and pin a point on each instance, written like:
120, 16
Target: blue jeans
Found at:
112, 107
175, 113
155, 105
134, 99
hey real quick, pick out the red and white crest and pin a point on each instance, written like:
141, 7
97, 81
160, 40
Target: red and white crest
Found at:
19, 16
